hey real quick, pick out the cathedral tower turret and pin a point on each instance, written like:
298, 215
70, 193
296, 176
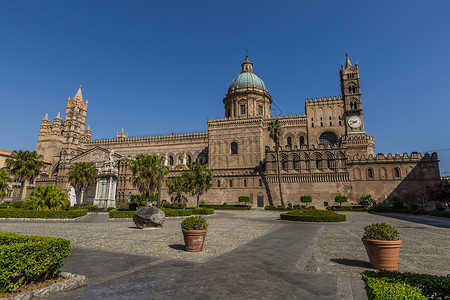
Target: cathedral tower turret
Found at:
247, 95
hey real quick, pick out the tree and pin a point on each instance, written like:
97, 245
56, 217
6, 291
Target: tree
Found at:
366, 201
48, 197
24, 166
5, 179
145, 171
275, 133
198, 180
439, 192
340, 199
306, 199
179, 186
245, 199
82, 175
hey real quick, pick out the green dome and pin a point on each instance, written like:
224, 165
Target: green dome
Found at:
247, 80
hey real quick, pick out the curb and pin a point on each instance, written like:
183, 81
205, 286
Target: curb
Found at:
72, 281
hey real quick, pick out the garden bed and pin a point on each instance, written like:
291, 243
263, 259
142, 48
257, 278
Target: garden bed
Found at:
229, 207
42, 214
312, 215
168, 211
396, 285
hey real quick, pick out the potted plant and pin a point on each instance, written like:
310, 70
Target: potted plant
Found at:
382, 245
194, 232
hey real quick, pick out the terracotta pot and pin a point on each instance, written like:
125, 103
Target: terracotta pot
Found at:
194, 239
383, 254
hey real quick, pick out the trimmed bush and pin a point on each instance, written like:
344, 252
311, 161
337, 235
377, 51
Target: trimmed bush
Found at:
177, 212
245, 199
275, 208
347, 208
306, 199
445, 214
340, 199
203, 211
18, 204
312, 215
194, 223
42, 214
430, 286
381, 232
27, 259
90, 207
366, 201
121, 213
380, 289
230, 207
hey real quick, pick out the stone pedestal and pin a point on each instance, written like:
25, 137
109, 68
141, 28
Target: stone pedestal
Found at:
105, 192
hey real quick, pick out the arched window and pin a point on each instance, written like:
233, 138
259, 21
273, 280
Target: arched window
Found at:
289, 141
318, 163
218, 183
302, 140
328, 139
328, 163
170, 160
370, 173
283, 164
294, 164
350, 90
260, 182
396, 173
234, 148
245, 182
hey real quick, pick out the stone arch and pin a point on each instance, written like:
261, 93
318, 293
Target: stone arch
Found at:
289, 140
370, 173
328, 138
357, 174
382, 173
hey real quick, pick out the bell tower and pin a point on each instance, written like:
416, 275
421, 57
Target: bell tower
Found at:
351, 94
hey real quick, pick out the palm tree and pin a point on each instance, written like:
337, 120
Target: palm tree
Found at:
199, 179
145, 171
4, 183
82, 175
24, 166
48, 197
275, 133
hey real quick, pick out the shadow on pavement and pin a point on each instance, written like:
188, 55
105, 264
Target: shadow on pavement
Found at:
177, 247
420, 219
352, 262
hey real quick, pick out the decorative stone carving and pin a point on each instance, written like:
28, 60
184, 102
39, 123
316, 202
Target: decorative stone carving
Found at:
148, 217
105, 193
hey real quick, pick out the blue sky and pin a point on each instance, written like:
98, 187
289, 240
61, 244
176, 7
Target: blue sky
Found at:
156, 67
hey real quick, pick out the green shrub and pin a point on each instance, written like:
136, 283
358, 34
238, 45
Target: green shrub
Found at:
245, 199
194, 223
347, 208
133, 206
42, 214
445, 214
312, 215
121, 213
177, 212
109, 209
229, 207
340, 199
381, 231
381, 289
382, 207
306, 199
366, 201
47, 197
90, 207
431, 286
27, 259
203, 211
274, 208
18, 204
123, 207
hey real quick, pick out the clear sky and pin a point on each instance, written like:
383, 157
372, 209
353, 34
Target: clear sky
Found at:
157, 67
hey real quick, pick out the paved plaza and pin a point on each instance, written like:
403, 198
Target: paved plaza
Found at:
247, 255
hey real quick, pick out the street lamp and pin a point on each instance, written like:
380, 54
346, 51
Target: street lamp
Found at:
160, 175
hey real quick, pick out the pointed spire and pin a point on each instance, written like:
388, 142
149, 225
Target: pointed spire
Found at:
58, 116
78, 94
89, 127
46, 117
347, 63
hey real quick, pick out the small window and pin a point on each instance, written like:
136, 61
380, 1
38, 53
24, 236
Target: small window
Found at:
170, 160
370, 173
260, 182
242, 109
320, 118
289, 141
396, 173
330, 117
234, 148
294, 164
312, 119
245, 182
302, 140
317, 163
312, 124
350, 90
321, 124
260, 110
283, 165
340, 123
189, 159
231, 183
218, 183
331, 123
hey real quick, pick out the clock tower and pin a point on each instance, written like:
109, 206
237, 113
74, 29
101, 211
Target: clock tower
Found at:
351, 93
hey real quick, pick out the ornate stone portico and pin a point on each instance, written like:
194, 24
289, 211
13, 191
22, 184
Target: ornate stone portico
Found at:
105, 191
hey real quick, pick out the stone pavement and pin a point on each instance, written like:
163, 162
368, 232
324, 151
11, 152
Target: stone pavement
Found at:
247, 254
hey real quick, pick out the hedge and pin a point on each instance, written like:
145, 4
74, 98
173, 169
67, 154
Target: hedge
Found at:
42, 214
430, 286
27, 259
230, 207
445, 214
311, 215
168, 211
347, 208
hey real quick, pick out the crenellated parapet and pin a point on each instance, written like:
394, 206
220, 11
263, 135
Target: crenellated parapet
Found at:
197, 136
390, 158
49, 130
324, 101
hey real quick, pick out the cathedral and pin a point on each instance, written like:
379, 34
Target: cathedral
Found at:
322, 153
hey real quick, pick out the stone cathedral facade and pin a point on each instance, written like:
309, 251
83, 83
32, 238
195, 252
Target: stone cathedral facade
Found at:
323, 152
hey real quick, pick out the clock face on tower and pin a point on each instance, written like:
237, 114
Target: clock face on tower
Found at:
354, 122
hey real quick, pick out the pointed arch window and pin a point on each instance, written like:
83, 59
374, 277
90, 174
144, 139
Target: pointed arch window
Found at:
170, 160
289, 141
302, 140
370, 173
396, 173
234, 148
283, 164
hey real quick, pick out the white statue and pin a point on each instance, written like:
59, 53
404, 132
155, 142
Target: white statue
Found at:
72, 196
111, 153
